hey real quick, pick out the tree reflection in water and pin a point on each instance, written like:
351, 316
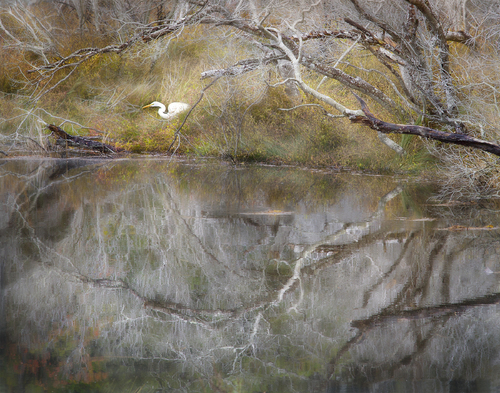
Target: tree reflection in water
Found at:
150, 274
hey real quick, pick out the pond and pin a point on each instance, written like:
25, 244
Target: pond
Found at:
155, 275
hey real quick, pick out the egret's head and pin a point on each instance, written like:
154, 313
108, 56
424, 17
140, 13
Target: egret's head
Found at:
154, 104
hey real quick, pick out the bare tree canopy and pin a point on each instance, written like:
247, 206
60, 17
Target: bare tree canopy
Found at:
426, 62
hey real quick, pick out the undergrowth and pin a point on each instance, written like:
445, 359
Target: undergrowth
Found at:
242, 118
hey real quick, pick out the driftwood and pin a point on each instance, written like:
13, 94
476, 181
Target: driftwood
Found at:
447, 137
78, 141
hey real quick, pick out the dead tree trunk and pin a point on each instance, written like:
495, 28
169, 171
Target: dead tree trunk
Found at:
78, 141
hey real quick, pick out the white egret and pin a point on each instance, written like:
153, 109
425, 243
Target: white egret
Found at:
173, 109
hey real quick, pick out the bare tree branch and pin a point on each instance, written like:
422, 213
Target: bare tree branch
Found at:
426, 132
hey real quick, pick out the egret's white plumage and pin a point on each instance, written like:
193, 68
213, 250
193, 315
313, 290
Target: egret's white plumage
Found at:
173, 109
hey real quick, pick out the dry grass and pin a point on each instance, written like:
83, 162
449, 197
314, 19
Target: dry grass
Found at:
240, 117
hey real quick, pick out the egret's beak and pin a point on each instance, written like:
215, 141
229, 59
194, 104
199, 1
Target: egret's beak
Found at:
147, 106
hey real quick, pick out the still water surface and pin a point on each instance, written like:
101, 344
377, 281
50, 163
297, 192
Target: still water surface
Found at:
157, 276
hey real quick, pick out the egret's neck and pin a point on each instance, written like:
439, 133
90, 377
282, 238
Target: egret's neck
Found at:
162, 110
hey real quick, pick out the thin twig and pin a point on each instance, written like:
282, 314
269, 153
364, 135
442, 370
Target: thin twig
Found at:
177, 132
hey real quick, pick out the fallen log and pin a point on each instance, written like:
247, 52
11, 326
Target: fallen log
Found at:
446, 137
77, 141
